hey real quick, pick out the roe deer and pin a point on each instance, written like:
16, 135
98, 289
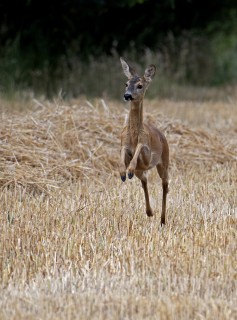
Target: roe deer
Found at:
143, 146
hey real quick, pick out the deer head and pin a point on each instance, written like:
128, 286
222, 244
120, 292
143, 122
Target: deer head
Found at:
136, 85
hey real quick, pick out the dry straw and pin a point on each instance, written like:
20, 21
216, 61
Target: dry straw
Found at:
55, 143
87, 250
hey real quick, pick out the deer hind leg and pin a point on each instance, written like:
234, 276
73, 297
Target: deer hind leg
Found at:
142, 176
163, 173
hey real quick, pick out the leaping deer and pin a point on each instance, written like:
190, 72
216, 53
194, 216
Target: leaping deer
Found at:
143, 146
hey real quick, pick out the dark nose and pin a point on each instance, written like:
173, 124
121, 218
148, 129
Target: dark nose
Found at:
127, 96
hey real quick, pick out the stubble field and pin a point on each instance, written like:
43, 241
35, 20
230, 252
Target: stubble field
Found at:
75, 240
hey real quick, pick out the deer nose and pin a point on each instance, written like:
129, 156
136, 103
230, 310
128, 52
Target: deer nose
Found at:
128, 96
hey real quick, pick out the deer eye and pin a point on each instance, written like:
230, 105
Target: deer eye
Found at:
139, 86
126, 85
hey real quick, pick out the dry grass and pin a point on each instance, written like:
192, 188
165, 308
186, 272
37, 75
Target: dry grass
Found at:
75, 241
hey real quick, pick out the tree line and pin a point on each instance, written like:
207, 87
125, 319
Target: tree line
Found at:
36, 34
94, 27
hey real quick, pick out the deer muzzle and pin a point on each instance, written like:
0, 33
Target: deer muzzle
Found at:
128, 97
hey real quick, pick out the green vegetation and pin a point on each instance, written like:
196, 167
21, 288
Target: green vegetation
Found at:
47, 48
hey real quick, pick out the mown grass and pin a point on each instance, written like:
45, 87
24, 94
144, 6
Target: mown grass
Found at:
79, 246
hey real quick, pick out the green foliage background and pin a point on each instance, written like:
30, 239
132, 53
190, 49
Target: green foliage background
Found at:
70, 45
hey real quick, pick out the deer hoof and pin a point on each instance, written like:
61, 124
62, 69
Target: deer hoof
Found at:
149, 213
130, 175
123, 178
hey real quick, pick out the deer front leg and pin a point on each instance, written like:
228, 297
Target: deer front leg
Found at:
125, 158
133, 164
122, 166
140, 160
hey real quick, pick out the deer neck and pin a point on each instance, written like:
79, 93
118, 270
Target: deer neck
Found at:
135, 120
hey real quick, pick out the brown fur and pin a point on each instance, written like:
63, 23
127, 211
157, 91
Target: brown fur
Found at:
143, 146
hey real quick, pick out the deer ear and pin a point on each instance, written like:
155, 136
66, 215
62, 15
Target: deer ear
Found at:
128, 71
150, 73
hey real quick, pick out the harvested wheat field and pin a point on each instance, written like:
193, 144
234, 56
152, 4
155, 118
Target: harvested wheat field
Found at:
75, 240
